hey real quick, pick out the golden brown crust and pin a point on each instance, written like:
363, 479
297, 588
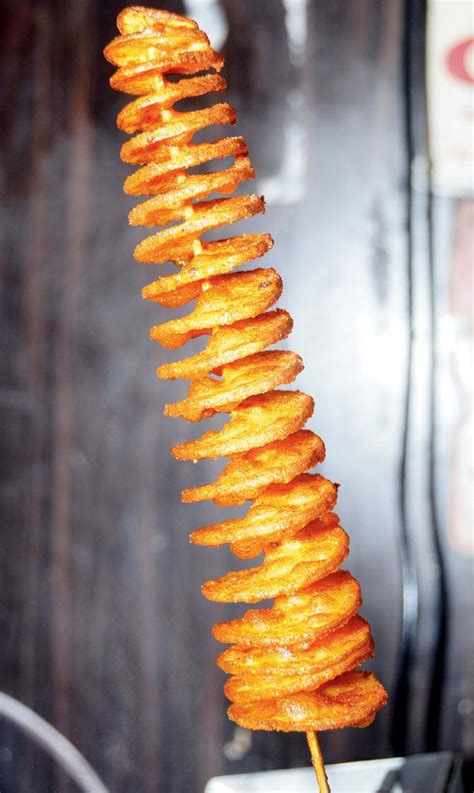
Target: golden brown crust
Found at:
280, 512
247, 475
253, 375
293, 661
163, 170
170, 205
298, 619
223, 300
289, 566
252, 689
134, 19
176, 242
147, 111
229, 344
141, 148
256, 421
352, 700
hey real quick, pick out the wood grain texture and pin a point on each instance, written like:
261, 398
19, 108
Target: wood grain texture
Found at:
104, 632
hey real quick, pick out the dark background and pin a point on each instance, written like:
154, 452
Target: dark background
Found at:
103, 629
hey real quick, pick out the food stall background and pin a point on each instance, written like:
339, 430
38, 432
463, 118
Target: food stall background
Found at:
104, 631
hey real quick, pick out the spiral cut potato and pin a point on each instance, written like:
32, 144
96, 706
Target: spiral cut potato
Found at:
293, 666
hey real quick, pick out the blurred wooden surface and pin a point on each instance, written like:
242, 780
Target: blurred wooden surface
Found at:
104, 632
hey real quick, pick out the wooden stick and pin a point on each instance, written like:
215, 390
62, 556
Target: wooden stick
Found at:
318, 762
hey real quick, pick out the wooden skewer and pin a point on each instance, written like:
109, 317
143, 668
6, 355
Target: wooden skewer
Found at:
318, 762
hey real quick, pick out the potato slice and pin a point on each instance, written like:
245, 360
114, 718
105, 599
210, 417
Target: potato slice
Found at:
255, 374
147, 78
255, 422
167, 164
298, 619
150, 45
228, 344
254, 688
293, 564
217, 258
291, 661
176, 242
134, 19
146, 112
140, 149
351, 700
224, 300
173, 203
246, 476
280, 511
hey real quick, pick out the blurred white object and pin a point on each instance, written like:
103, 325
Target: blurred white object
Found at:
422, 773
211, 18
450, 83
366, 777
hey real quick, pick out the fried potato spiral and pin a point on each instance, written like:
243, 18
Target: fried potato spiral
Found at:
293, 666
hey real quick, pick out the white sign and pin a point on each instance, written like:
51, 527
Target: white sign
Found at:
450, 76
